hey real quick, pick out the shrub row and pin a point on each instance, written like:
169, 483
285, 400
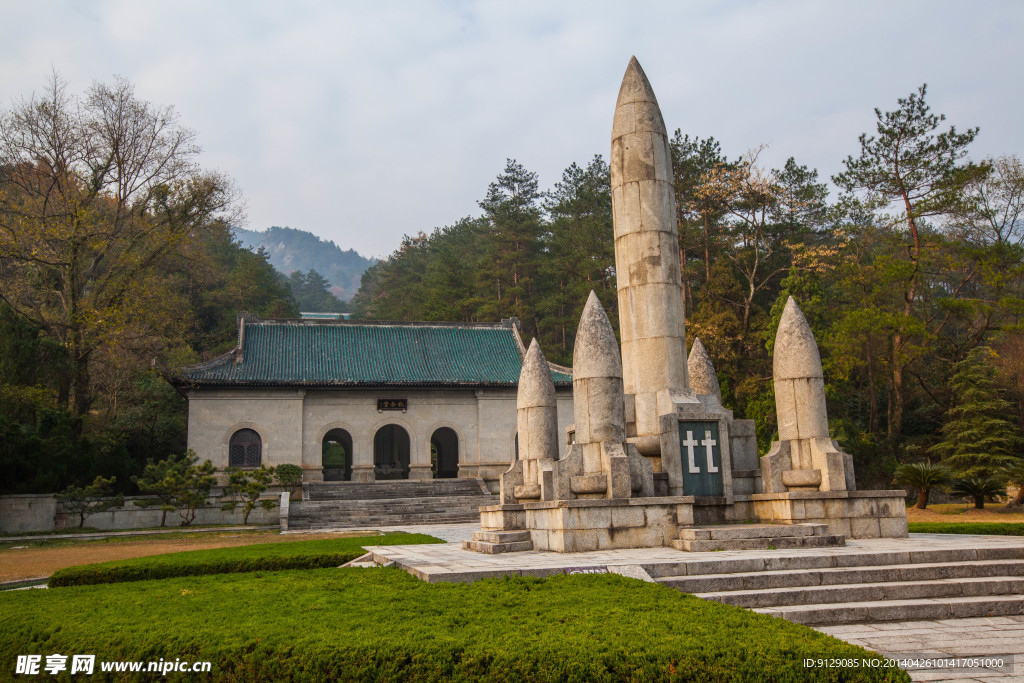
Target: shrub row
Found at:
979, 528
270, 556
383, 625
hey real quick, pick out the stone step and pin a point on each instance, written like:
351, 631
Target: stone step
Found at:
501, 536
870, 592
344, 523
495, 547
768, 563
728, 532
395, 503
394, 489
760, 543
764, 580
320, 514
850, 587
900, 610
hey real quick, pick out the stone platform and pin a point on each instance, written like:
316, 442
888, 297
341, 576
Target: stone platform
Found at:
853, 514
925, 576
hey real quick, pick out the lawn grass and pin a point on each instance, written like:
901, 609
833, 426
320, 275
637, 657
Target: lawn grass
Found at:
270, 556
980, 528
384, 625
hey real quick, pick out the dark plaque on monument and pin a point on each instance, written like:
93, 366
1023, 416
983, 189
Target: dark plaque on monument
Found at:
392, 404
702, 458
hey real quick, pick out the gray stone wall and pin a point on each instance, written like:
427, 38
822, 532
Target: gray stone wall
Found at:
27, 513
20, 514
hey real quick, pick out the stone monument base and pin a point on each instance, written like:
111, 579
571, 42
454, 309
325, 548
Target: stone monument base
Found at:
853, 514
580, 525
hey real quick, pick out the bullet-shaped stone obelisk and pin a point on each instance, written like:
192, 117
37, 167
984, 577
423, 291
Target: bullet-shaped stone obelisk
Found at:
536, 410
703, 378
799, 382
596, 385
651, 319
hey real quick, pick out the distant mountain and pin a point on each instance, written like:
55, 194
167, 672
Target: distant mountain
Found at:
290, 250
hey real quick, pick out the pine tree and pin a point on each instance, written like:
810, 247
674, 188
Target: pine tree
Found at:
978, 439
579, 254
512, 207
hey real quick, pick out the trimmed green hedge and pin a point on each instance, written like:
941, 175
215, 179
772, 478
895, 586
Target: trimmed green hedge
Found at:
384, 625
980, 528
269, 556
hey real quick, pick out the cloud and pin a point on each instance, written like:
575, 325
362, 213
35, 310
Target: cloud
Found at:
365, 121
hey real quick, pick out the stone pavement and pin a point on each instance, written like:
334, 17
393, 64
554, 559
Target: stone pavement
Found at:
449, 562
993, 638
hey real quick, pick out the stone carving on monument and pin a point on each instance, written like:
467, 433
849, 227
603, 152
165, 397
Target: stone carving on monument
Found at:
654, 457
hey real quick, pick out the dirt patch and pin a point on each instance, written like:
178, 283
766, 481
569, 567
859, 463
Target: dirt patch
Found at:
951, 512
28, 563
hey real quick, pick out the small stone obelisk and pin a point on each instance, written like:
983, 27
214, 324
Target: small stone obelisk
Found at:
599, 462
805, 457
703, 378
537, 424
651, 320
596, 385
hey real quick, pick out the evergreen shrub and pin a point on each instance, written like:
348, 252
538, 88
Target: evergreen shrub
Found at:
250, 558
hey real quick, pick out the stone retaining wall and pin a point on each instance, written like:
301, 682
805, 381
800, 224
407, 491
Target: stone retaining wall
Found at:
21, 513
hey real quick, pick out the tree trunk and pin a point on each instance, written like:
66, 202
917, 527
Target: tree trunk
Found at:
896, 403
979, 502
707, 252
922, 499
872, 396
80, 381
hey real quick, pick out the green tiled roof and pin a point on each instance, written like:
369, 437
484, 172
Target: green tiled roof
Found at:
315, 353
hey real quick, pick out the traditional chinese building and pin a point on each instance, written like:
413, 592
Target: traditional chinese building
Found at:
364, 401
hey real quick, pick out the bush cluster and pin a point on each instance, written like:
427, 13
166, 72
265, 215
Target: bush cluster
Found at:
250, 558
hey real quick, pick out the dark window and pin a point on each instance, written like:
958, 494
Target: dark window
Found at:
246, 449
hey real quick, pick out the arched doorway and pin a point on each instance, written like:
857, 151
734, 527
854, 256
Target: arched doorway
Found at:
444, 453
245, 449
337, 455
391, 453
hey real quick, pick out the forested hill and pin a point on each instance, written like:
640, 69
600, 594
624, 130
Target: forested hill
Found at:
289, 249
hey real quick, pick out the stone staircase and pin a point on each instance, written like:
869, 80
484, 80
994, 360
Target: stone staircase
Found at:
862, 587
494, 542
755, 537
389, 503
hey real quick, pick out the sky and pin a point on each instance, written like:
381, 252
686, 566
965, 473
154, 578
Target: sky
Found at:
364, 121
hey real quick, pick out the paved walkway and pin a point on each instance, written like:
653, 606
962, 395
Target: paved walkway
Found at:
449, 562
993, 638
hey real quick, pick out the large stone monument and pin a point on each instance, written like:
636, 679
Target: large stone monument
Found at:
654, 457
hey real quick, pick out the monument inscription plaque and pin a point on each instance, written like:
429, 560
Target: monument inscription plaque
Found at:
700, 446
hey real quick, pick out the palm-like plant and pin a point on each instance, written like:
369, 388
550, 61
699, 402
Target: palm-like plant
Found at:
923, 476
979, 488
1014, 474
